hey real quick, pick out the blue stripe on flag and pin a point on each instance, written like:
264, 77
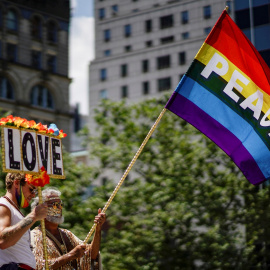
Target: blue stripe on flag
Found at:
223, 114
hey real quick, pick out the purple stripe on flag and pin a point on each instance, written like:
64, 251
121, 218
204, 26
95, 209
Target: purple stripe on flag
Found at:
221, 136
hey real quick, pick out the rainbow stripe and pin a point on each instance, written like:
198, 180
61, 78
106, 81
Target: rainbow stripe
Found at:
226, 95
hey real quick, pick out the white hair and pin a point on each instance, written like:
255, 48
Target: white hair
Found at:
46, 193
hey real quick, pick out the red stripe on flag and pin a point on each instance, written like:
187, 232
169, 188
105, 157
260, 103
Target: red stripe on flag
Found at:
227, 38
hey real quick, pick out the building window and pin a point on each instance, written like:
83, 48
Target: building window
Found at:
107, 35
166, 22
145, 88
11, 52
207, 30
101, 13
184, 17
167, 40
185, 35
51, 63
36, 27
148, 43
128, 48
41, 96
6, 89
163, 62
242, 18
266, 56
148, 26
103, 74
207, 12
124, 70
164, 84
145, 66
114, 10
182, 58
124, 91
52, 31
12, 20
127, 30
107, 52
103, 94
261, 15
36, 59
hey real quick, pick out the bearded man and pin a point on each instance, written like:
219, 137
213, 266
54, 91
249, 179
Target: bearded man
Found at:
65, 250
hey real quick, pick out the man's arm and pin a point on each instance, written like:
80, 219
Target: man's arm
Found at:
10, 235
75, 253
95, 245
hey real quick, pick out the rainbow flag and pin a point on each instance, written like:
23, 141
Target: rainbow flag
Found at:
226, 95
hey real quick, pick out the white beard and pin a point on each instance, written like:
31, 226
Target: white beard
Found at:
56, 220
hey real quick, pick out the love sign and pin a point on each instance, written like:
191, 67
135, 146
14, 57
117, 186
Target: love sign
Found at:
26, 150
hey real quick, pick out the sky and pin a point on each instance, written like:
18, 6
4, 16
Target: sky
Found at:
81, 51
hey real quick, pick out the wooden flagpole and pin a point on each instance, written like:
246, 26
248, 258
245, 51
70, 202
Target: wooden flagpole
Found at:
42, 222
126, 172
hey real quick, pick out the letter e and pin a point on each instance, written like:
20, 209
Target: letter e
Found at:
56, 156
233, 84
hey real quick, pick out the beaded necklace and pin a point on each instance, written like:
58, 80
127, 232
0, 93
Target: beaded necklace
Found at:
13, 204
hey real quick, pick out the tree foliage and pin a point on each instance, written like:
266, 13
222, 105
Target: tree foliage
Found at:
185, 205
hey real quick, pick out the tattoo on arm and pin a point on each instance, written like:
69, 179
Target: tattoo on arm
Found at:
25, 222
8, 232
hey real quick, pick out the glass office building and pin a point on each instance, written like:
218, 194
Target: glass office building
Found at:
253, 17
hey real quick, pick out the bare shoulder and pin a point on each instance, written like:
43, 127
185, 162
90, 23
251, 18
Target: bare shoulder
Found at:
4, 210
5, 217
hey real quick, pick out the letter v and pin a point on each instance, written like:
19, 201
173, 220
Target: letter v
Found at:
43, 151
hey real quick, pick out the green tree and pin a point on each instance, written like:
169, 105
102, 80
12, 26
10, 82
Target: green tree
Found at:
185, 205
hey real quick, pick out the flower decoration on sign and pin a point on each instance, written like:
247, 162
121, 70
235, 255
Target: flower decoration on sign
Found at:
23, 123
39, 180
53, 129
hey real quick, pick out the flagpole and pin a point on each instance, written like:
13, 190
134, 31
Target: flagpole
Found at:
127, 171
42, 222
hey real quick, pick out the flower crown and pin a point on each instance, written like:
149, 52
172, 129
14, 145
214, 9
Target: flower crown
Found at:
24, 123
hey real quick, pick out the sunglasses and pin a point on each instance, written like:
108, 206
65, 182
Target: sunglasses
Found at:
33, 191
56, 205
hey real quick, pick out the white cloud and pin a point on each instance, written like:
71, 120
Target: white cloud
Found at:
81, 52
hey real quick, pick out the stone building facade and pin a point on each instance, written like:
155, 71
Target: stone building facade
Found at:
34, 82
